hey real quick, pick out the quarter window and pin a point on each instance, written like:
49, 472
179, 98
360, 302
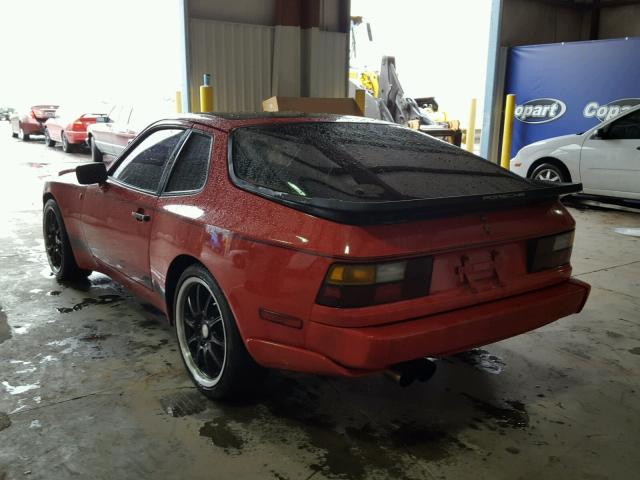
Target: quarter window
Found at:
190, 170
142, 168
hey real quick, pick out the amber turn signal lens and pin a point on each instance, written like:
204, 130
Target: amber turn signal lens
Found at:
360, 285
341, 274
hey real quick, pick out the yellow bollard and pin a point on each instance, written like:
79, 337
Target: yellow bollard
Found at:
507, 131
361, 99
471, 126
178, 101
206, 95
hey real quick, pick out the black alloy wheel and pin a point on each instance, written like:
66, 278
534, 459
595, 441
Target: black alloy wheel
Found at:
210, 344
53, 240
204, 331
58, 248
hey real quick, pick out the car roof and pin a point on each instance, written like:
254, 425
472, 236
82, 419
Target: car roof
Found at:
229, 121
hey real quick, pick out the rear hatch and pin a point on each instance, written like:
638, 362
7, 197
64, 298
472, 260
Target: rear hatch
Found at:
43, 112
373, 173
416, 211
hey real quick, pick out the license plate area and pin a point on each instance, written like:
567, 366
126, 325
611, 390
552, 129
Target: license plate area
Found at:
479, 271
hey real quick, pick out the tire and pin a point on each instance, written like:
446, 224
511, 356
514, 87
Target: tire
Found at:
23, 136
57, 245
96, 155
549, 172
210, 344
66, 146
14, 134
47, 139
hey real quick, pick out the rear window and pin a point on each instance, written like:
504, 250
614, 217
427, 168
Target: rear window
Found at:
361, 162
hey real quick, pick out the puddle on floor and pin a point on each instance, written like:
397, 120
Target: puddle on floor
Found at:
515, 417
101, 300
482, 360
222, 435
344, 443
95, 337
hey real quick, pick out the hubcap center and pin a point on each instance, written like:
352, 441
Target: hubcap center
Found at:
205, 331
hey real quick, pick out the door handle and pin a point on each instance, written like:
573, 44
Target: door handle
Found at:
140, 217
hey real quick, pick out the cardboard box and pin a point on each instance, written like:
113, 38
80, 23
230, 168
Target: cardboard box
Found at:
341, 106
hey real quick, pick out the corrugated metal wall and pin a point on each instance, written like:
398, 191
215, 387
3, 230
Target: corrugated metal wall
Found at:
239, 58
325, 64
250, 63
286, 76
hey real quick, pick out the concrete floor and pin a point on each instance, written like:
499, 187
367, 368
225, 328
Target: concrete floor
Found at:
91, 384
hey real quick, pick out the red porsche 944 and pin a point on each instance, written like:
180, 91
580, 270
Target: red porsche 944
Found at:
322, 244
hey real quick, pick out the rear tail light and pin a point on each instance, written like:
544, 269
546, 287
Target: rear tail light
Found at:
549, 252
78, 125
359, 285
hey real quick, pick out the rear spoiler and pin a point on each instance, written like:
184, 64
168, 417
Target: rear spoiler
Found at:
400, 211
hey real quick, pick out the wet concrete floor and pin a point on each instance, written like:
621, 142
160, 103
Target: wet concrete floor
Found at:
92, 386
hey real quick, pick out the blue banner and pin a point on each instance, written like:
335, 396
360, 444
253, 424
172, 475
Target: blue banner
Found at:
566, 88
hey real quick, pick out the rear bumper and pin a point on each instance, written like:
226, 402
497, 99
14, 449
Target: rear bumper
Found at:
76, 137
353, 351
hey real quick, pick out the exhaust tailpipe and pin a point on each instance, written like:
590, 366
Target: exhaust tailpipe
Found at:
404, 374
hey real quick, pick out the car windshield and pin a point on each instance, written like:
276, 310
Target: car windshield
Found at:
361, 162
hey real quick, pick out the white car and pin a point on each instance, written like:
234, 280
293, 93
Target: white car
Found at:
605, 158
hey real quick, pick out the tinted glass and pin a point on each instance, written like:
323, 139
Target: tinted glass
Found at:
362, 162
143, 166
190, 170
626, 128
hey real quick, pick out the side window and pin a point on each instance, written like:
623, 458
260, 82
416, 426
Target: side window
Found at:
142, 168
625, 128
190, 170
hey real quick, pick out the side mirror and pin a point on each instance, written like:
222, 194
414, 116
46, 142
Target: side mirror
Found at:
91, 173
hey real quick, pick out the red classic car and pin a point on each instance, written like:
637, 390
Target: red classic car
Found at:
326, 244
31, 121
69, 127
